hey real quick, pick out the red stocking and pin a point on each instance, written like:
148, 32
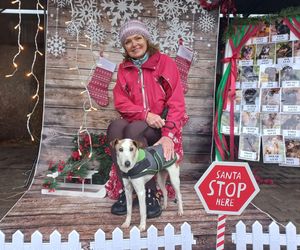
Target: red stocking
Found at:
184, 60
98, 85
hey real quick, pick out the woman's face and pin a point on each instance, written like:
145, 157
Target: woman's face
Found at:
135, 46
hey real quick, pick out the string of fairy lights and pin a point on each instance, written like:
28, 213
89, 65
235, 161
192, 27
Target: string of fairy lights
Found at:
37, 51
87, 105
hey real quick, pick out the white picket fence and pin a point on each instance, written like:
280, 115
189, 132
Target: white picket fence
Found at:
169, 240
258, 239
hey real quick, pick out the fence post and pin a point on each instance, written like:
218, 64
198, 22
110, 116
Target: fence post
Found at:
152, 238
18, 240
117, 239
73, 241
257, 236
36, 241
291, 237
55, 240
240, 236
169, 235
135, 239
100, 243
274, 236
186, 236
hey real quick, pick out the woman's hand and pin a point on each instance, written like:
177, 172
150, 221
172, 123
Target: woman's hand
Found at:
154, 120
168, 147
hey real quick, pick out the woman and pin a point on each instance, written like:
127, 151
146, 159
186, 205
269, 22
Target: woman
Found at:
149, 97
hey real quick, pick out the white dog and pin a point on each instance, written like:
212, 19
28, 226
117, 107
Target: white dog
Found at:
137, 172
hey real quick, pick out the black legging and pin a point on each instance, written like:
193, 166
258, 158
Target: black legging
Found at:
136, 130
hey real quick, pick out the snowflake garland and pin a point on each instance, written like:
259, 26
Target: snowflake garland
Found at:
61, 3
152, 27
56, 45
194, 6
169, 9
206, 23
84, 11
95, 32
176, 29
122, 10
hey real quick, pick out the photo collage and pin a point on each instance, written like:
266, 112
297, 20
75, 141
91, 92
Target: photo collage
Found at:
267, 98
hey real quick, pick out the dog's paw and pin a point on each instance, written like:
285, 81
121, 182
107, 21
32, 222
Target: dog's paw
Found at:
142, 228
125, 225
180, 212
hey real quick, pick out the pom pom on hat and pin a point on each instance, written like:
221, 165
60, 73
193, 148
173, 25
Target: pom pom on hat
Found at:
131, 28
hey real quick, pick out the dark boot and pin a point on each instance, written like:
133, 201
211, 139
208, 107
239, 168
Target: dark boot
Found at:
152, 204
119, 207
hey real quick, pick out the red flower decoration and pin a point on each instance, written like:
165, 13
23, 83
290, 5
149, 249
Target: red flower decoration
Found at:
76, 155
107, 151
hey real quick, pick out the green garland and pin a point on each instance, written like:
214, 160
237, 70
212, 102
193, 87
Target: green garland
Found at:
267, 19
80, 162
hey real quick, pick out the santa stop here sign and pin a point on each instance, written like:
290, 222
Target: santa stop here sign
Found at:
226, 188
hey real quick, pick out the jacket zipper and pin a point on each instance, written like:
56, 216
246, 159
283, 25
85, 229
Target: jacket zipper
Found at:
143, 89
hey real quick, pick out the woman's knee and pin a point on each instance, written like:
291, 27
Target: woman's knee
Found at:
135, 129
115, 129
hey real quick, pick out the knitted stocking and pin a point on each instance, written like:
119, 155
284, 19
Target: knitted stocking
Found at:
184, 60
98, 85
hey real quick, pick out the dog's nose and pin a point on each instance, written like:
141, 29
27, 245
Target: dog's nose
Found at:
127, 163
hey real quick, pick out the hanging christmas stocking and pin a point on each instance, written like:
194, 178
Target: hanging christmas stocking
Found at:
183, 60
98, 85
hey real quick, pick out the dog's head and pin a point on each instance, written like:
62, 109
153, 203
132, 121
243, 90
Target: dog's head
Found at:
126, 152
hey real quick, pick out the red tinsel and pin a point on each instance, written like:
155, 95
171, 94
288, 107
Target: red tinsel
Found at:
226, 6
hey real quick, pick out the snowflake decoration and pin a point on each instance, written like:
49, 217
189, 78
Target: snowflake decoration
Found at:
170, 9
115, 41
84, 11
61, 3
123, 10
73, 28
206, 23
95, 32
56, 45
194, 6
176, 29
152, 27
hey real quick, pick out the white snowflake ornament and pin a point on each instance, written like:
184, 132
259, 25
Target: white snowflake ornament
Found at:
152, 27
121, 10
206, 23
95, 32
169, 9
194, 6
56, 45
176, 29
61, 3
73, 28
84, 11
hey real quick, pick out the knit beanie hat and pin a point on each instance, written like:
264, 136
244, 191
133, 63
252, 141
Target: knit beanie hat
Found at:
131, 28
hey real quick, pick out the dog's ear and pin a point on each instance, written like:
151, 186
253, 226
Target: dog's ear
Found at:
138, 144
114, 143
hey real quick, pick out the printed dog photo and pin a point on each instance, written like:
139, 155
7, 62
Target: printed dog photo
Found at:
292, 149
237, 101
250, 99
273, 145
279, 28
249, 74
225, 123
270, 96
249, 147
136, 172
296, 48
250, 119
270, 121
247, 52
265, 51
284, 50
269, 76
290, 121
288, 73
290, 96
263, 31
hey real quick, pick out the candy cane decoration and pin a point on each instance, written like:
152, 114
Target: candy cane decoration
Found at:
221, 232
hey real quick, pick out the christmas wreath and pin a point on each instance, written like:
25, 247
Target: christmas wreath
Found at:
90, 153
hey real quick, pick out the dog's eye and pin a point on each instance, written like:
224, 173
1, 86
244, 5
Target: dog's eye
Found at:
120, 149
131, 149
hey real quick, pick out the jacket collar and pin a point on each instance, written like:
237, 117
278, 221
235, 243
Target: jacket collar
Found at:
151, 63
